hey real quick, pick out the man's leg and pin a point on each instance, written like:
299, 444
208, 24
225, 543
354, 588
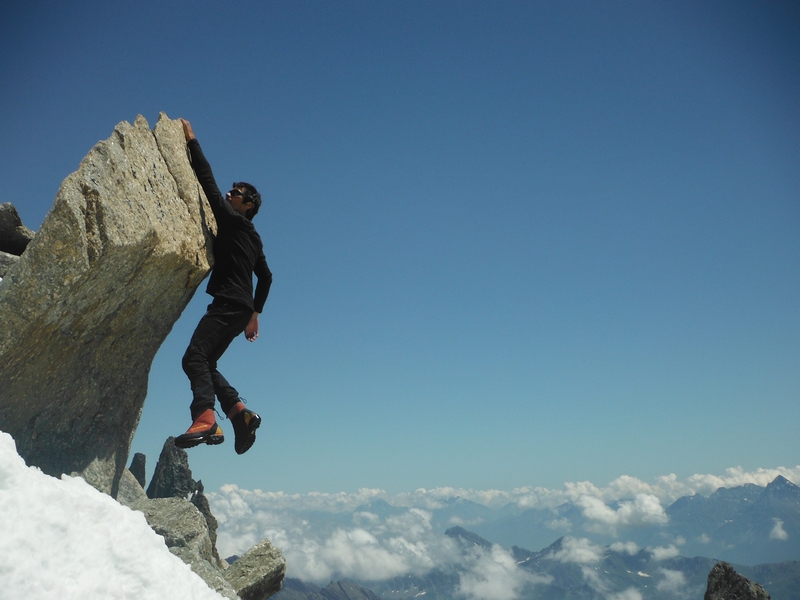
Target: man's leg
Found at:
216, 330
244, 421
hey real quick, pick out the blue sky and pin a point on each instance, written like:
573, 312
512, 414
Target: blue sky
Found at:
514, 243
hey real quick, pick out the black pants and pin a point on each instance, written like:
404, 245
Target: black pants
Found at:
222, 322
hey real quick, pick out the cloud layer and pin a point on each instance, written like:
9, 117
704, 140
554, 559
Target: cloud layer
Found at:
371, 535
665, 490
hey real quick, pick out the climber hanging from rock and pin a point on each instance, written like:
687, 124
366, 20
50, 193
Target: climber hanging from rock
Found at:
238, 254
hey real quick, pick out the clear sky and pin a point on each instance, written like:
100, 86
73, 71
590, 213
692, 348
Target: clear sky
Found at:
514, 243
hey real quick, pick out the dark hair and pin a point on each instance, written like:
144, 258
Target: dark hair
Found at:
251, 195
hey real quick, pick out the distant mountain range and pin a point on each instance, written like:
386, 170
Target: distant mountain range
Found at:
598, 577
746, 525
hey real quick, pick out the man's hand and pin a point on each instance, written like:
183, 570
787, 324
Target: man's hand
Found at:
251, 331
188, 132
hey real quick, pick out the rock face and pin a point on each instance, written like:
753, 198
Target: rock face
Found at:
259, 573
189, 529
183, 528
201, 503
726, 584
138, 469
172, 477
6, 262
85, 309
14, 236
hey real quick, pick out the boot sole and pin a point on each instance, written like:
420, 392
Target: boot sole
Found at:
183, 441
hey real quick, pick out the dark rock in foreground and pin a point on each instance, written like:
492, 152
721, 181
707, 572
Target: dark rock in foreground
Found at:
14, 236
258, 574
172, 477
137, 468
189, 530
726, 584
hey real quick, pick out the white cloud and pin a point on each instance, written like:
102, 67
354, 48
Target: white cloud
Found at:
358, 553
559, 524
644, 509
627, 547
368, 546
629, 594
664, 552
778, 533
577, 550
494, 575
323, 536
456, 520
736, 476
666, 489
673, 582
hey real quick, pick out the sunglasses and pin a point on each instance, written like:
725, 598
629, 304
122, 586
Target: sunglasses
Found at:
235, 192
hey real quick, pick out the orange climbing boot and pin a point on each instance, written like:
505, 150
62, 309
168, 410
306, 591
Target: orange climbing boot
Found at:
245, 422
204, 430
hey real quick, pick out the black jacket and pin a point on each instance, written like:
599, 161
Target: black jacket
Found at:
238, 251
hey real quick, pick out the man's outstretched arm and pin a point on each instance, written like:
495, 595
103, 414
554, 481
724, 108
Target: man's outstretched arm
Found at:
187, 130
204, 174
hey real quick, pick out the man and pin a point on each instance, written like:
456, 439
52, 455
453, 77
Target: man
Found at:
238, 254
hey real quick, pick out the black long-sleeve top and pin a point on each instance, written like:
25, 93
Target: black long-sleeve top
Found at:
238, 250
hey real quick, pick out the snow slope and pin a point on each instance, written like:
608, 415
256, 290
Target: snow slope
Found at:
63, 539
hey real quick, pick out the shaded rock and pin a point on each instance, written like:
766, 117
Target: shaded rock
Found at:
95, 293
131, 493
184, 529
14, 236
201, 503
172, 477
180, 524
185, 533
258, 573
6, 262
724, 583
210, 574
137, 467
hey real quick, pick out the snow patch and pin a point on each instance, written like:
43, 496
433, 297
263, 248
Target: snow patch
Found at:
64, 539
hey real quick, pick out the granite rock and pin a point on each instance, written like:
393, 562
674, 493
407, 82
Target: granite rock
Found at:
172, 477
14, 236
6, 262
258, 573
200, 502
724, 583
131, 493
92, 298
138, 468
208, 572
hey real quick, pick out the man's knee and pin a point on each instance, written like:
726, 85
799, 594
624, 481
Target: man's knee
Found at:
193, 362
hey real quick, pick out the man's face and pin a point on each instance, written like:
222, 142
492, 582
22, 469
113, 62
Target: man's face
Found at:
236, 199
